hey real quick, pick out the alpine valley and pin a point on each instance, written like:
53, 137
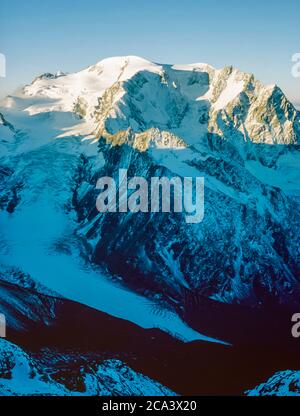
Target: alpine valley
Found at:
146, 303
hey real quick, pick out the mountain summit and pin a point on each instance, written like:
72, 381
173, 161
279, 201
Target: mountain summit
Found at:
189, 100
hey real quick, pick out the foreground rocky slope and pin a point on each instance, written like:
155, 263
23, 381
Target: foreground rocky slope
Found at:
283, 383
22, 374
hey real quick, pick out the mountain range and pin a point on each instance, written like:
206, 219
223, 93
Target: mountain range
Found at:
220, 290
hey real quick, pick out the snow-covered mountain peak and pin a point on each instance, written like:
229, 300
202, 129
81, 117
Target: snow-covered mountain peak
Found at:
190, 101
129, 62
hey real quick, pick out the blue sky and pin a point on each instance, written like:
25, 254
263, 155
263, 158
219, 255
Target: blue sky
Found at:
255, 36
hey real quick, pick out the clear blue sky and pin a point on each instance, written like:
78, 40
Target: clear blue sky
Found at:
257, 36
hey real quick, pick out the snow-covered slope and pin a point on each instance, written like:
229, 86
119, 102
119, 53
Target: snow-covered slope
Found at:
283, 383
6, 133
22, 375
175, 97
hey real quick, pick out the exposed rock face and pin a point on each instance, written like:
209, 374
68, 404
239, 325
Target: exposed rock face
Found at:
22, 374
255, 223
283, 383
